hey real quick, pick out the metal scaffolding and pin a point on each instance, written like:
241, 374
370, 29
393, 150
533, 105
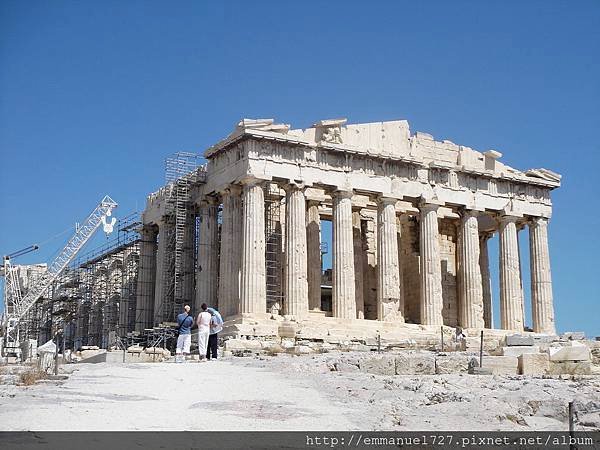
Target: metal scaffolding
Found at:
182, 171
19, 300
274, 222
94, 299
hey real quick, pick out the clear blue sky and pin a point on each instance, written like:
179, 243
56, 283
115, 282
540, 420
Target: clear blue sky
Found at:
94, 96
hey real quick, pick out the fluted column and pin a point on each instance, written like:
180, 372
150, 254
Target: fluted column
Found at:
471, 289
227, 306
431, 269
208, 254
542, 304
296, 277
358, 265
511, 293
400, 262
144, 305
161, 278
313, 238
253, 288
389, 302
486, 280
344, 302
237, 216
185, 294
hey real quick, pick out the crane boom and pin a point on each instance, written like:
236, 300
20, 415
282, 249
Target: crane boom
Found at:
16, 306
21, 252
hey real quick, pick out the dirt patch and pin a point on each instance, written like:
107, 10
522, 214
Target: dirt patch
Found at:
31, 376
262, 409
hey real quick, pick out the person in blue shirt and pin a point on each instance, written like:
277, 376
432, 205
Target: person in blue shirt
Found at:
184, 340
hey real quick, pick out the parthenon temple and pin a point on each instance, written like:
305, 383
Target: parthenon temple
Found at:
410, 218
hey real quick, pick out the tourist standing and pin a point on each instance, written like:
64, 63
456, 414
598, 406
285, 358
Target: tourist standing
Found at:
216, 325
203, 322
184, 340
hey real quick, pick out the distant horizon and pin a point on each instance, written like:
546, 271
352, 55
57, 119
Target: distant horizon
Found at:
94, 98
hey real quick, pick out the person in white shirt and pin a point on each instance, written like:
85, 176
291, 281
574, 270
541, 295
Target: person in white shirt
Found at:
203, 322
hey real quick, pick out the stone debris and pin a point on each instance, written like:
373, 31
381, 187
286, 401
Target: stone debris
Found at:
519, 350
519, 340
574, 352
570, 368
453, 363
379, 365
534, 364
487, 401
135, 349
501, 365
481, 371
403, 363
92, 356
573, 335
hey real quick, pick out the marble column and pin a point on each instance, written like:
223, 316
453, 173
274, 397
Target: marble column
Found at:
236, 239
296, 276
208, 254
227, 306
144, 305
313, 238
542, 305
358, 265
165, 230
253, 287
389, 302
431, 268
400, 263
511, 293
344, 301
470, 294
486, 280
185, 294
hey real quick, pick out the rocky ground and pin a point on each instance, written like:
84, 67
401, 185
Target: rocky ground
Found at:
284, 392
457, 401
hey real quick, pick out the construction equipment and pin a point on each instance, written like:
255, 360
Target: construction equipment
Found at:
17, 305
182, 170
12, 284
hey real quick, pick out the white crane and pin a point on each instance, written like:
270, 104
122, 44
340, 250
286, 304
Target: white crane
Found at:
16, 305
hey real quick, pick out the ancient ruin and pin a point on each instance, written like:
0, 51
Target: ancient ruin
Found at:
411, 219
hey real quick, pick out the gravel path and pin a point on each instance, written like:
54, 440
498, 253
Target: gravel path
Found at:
293, 393
217, 395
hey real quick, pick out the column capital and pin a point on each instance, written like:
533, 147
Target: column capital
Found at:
232, 189
208, 200
428, 206
250, 181
538, 220
292, 186
342, 193
466, 212
384, 199
148, 232
505, 218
